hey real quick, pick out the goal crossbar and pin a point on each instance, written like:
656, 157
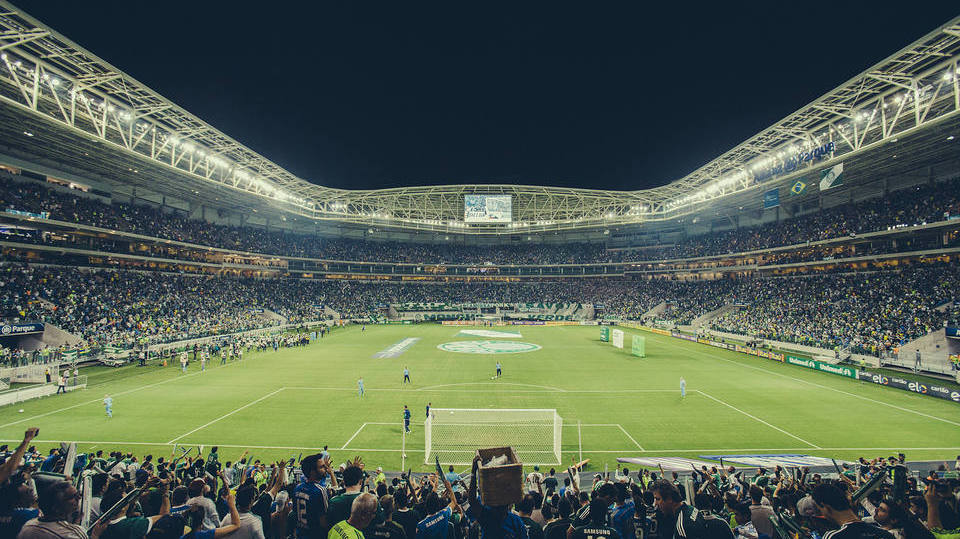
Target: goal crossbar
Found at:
454, 434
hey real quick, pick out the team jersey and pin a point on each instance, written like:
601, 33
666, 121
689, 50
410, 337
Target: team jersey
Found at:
339, 509
534, 529
310, 502
592, 531
406, 414
509, 527
388, 530
343, 530
582, 517
858, 530
108, 402
435, 525
557, 529
696, 524
621, 518
408, 518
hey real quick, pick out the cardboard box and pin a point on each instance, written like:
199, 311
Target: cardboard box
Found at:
500, 485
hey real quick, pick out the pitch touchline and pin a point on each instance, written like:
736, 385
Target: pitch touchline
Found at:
554, 390
572, 451
827, 387
756, 418
272, 393
58, 410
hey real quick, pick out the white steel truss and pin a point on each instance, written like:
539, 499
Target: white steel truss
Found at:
81, 95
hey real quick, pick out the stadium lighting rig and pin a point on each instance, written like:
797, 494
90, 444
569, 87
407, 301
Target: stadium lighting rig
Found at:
70, 96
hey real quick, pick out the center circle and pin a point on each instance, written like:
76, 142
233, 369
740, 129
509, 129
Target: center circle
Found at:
488, 347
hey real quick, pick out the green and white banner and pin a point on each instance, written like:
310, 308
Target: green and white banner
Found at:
831, 177
849, 372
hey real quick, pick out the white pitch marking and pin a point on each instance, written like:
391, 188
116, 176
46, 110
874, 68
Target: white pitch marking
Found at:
429, 388
549, 388
224, 416
354, 436
631, 437
831, 389
574, 451
757, 419
178, 377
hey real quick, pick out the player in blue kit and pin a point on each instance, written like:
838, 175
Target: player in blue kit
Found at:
406, 418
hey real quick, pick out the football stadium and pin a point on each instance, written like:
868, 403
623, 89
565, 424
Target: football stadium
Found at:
195, 340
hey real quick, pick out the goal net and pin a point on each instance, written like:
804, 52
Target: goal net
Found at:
455, 434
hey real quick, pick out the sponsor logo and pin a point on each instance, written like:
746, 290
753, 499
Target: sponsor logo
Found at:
488, 347
20, 329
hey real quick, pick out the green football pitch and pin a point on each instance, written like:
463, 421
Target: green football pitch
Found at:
279, 404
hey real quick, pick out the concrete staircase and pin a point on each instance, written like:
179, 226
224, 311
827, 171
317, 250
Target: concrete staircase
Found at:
654, 312
934, 348
271, 315
704, 319
52, 337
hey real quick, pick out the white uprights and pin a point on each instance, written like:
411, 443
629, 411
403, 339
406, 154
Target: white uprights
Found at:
455, 434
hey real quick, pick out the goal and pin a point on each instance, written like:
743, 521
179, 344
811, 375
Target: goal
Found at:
455, 434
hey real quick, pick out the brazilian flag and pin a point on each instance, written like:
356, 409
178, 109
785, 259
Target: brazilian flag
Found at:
799, 187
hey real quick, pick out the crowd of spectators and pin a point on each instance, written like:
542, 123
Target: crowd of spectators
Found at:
870, 313
924, 204
195, 495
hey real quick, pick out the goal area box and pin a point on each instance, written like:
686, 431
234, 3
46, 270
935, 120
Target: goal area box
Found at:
454, 434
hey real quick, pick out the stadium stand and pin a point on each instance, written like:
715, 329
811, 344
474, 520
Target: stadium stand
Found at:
916, 206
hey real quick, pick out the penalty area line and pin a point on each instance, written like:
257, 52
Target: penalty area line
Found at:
755, 418
224, 416
631, 437
354, 436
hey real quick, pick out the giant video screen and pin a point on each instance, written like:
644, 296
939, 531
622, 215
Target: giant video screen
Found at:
487, 209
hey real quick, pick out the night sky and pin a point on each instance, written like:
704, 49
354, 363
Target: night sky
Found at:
597, 94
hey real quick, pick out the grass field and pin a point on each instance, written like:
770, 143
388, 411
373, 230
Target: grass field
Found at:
278, 404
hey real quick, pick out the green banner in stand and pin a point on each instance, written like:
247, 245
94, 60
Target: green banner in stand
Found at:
840, 370
605, 333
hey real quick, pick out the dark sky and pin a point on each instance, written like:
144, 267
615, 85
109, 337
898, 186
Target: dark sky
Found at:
595, 94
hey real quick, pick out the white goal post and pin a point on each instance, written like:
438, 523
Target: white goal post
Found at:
455, 434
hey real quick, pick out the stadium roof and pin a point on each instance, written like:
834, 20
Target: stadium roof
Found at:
62, 101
